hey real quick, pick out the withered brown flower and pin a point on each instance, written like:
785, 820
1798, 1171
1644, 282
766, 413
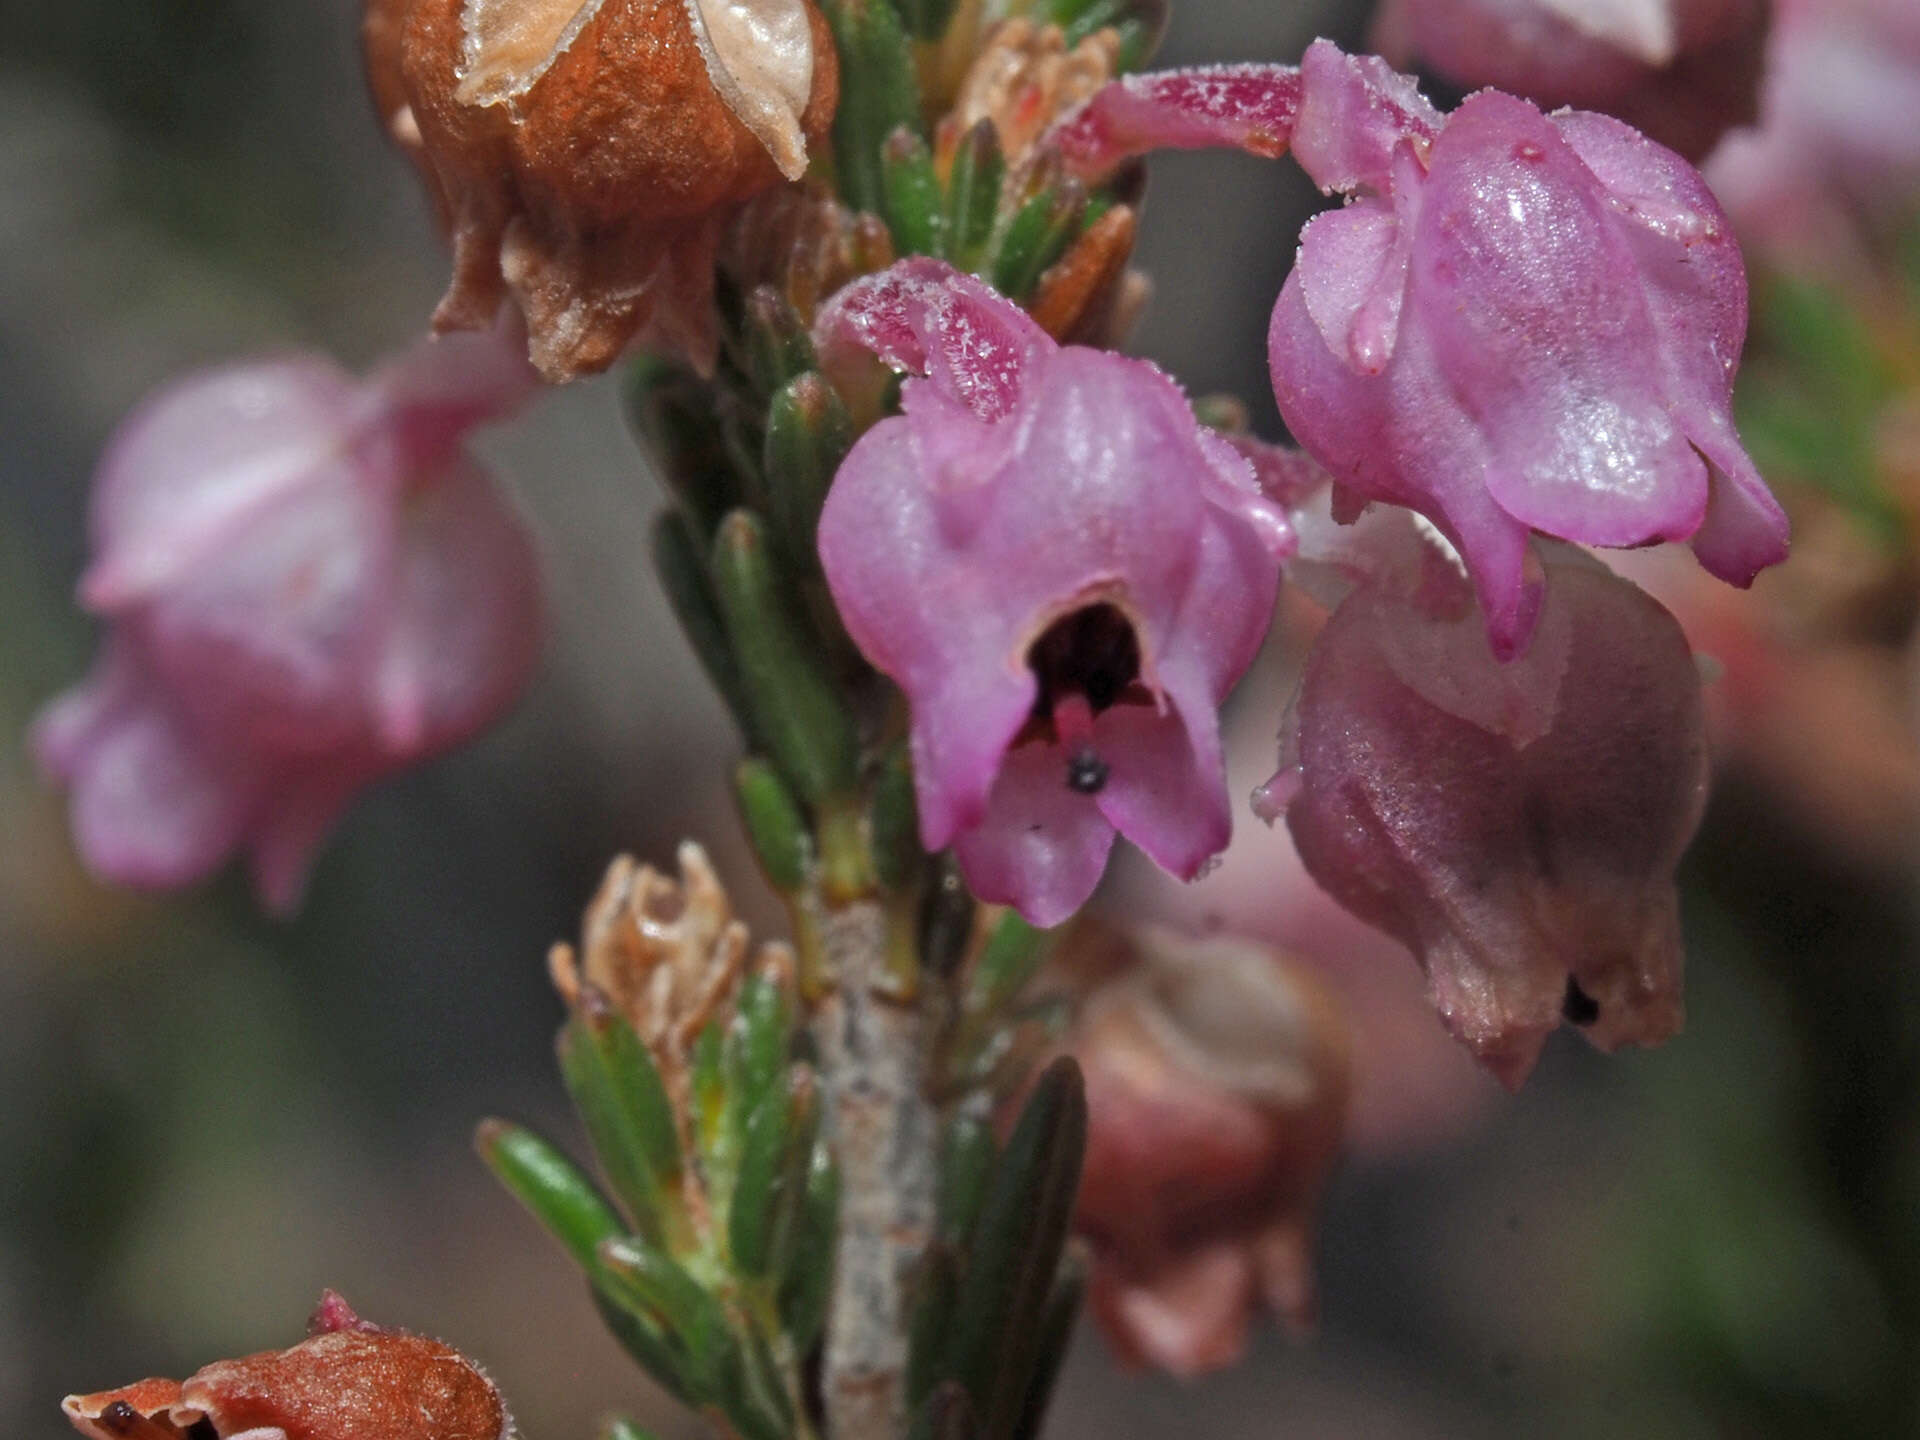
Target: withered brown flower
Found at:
588, 155
348, 1380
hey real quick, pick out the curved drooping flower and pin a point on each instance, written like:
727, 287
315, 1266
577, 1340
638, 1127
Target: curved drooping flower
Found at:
1063, 571
308, 585
1682, 71
348, 1380
1218, 1077
1517, 825
1523, 323
587, 153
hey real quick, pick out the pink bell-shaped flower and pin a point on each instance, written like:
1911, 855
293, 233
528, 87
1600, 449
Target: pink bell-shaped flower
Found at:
1063, 570
1523, 323
308, 584
1517, 825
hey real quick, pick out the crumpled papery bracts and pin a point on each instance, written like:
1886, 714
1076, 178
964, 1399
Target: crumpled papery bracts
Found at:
1682, 71
667, 955
1064, 572
349, 1380
1218, 1075
588, 153
309, 585
1517, 825
1521, 323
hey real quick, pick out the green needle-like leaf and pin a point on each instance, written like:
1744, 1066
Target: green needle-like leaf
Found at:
973, 193
680, 560
643, 1278
772, 1171
968, 1155
551, 1186
914, 208
878, 94
798, 714
1050, 1347
894, 823
808, 434
1012, 954
774, 824
1016, 1250
809, 1277
623, 1103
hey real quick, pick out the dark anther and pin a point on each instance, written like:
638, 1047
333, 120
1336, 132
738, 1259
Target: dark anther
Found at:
1086, 773
1579, 1007
1092, 652
119, 1417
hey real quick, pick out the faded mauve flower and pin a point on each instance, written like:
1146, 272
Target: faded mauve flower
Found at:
348, 1380
1523, 323
308, 584
1682, 71
1063, 571
1517, 825
588, 155
1217, 1076
1835, 160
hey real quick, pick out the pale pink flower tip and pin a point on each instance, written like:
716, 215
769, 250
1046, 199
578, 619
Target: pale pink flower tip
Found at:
1063, 570
308, 584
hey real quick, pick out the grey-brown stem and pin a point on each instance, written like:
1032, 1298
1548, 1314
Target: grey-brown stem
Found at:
884, 1133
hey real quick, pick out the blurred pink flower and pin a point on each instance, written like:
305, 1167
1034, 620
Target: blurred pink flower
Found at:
1836, 154
1682, 71
1516, 824
1217, 1083
308, 584
1063, 570
1524, 323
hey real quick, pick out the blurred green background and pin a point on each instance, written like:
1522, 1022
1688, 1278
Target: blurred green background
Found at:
205, 1117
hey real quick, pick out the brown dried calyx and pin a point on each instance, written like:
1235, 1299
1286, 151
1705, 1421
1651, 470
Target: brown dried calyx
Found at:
348, 1380
589, 154
668, 955
1024, 79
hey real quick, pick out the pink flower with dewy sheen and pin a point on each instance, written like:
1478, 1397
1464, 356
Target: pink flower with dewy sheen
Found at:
1522, 323
1516, 825
1063, 570
308, 584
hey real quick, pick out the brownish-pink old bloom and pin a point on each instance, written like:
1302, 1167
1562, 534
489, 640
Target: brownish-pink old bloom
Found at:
1217, 1082
348, 1380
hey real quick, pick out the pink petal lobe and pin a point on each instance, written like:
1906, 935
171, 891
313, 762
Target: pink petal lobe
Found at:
1538, 318
924, 317
1040, 848
1356, 113
195, 459
1243, 107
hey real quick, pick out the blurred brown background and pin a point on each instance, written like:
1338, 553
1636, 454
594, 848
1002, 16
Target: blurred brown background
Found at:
205, 1117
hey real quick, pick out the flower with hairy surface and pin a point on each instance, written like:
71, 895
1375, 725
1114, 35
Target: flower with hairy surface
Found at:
1524, 322
1218, 1076
1516, 825
308, 585
348, 1380
587, 155
1063, 571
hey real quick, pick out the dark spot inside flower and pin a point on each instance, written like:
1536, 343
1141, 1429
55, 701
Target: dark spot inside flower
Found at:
119, 1416
1086, 772
1577, 1006
1091, 652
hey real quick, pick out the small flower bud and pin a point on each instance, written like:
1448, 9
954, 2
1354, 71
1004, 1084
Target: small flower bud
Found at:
348, 1380
590, 152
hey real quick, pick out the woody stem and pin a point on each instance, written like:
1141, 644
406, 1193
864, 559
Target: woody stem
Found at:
884, 1130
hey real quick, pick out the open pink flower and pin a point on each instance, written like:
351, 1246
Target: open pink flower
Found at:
1683, 71
1063, 571
1516, 825
308, 585
1523, 322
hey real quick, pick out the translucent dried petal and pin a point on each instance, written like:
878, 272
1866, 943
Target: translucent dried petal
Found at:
1518, 825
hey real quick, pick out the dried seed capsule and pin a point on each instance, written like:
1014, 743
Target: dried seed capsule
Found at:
590, 153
